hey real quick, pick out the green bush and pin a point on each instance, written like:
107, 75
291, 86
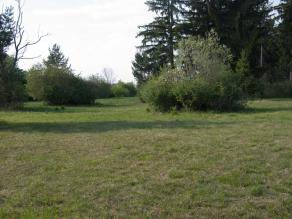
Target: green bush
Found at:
62, 87
59, 86
202, 80
35, 83
122, 89
278, 90
159, 95
102, 88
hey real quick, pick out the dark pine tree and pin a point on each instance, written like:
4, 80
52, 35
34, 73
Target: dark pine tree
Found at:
285, 35
159, 38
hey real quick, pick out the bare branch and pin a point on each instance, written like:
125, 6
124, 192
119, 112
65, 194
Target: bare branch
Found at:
20, 46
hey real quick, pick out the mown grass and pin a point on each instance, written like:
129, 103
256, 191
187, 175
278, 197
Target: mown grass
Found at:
116, 160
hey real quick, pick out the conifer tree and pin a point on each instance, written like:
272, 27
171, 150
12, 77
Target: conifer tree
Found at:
159, 38
56, 58
285, 29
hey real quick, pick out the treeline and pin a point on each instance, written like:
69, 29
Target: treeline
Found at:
256, 27
53, 80
208, 54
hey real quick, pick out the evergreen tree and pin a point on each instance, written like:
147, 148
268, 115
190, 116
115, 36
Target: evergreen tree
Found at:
285, 29
197, 21
11, 78
6, 32
56, 58
159, 38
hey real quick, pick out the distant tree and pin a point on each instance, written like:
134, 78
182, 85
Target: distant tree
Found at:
102, 87
35, 82
108, 75
56, 58
122, 89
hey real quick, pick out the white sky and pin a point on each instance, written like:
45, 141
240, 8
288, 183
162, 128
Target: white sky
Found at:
93, 33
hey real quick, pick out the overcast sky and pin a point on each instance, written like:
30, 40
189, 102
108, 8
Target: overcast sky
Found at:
94, 34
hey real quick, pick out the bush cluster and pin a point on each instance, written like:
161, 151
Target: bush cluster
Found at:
122, 89
59, 86
202, 80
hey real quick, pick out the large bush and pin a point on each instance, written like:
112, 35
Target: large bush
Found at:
59, 86
202, 80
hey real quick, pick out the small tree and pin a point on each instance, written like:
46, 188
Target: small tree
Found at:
56, 58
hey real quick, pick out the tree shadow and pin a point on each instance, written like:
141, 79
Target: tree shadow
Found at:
265, 110
106, 126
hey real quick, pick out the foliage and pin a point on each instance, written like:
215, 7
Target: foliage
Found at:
241, 25
285, 39
101, 86
12, 80
122, 89
62, 87
6, 32
56, 58
159, 94
55, 83
12, 92
278, 90
203, 56
203, 79
159, 39
35, 82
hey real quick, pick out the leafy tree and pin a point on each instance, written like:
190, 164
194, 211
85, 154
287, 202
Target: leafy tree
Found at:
35, 82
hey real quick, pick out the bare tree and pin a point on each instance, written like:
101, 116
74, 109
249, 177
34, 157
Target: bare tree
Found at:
108, 75
20, 44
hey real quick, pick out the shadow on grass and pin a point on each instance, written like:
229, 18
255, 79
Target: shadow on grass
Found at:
100, 127
265, 110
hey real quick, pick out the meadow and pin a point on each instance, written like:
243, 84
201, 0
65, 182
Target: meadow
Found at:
118, 160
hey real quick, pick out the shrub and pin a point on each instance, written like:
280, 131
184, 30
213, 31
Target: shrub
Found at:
102, 88
202, 80
122, 89
59, 86
159, 95
62, 87
35, 83
278, 90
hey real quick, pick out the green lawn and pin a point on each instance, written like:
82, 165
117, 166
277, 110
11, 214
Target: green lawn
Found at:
116, 160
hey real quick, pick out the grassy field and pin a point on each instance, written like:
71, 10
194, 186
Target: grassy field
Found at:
116, 160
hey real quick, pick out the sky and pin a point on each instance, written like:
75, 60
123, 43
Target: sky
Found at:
94, 34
